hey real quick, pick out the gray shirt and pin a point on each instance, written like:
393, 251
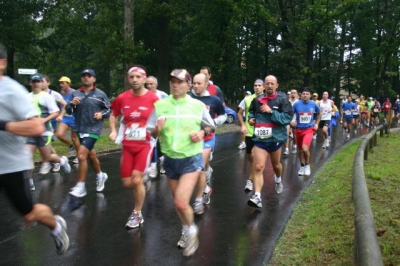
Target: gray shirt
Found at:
15, 105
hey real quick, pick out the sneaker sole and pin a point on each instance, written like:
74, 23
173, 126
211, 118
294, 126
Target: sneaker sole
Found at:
189, 251
252, 204
78, 196
133, 227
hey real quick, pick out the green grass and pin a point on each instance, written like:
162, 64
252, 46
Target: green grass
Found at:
321, 229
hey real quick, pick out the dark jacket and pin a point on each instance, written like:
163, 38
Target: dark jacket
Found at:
93, 102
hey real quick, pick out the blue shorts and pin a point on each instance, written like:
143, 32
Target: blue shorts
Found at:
356, 116
54, 124
348, 119
209, 143
268, 146
175, 168
68, 120
88, 142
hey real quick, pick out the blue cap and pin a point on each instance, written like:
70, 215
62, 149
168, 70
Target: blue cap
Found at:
88, 71
36, 77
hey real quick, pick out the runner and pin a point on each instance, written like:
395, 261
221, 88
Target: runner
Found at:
326, 107
369, 106
356, 116
269, 114
216, 109
136, 106
315, 99
182, 123
387, 107
18, 119
364, 111
396, 108
375, 110
241, 106
47, 109
248, 130
67, 121
294, 97
305, 110
212, 88
348, 108
90, 106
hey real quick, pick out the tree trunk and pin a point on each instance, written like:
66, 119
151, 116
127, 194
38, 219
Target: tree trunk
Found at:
128, 34
163, 54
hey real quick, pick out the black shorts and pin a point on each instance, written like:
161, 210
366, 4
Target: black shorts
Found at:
18, 190
249, 144
324, 123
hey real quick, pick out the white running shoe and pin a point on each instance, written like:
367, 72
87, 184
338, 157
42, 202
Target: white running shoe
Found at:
56, 167
44, 168
100, 182
75, 161
152, 172
249, 185
327, 142
307, 170
66, 166
294, 149
314, 136
355, 131
192, 243
134, 221
301, 171
286, 152
61, 240
242, 146
78, 192
348, 136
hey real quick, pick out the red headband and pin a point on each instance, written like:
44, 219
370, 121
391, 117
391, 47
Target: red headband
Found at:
138, 69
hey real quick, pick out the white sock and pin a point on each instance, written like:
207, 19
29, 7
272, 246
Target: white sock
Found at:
192, 229
207, 189
56, 230
63, 161
185, 227
100, 175
80, 184
278, 179
258, 195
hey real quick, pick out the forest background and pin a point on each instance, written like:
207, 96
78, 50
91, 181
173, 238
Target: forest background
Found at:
323, 44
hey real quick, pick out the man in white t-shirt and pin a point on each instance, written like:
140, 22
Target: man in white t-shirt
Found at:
242, 106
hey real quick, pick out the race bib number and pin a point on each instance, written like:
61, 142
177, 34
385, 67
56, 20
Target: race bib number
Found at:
263, 132
347, 112
305, 118
134, 132
376, 110
355, 113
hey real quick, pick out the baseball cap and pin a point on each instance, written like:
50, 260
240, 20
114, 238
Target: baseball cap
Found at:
36, 77
315, 94
181, 74
88, 71
289, 92
398, 100
64, 79
370, 98
248, 92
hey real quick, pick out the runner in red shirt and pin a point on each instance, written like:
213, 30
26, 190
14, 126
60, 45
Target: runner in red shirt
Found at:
137, 108
387, 106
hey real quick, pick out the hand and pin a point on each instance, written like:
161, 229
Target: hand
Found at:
265, 108
98, 116
252, 122
76, 101
160, 123
316, 127
293, 123
113, 135
59, 118
197, 136
243, 130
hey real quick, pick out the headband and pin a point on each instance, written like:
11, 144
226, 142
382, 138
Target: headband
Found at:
138, 69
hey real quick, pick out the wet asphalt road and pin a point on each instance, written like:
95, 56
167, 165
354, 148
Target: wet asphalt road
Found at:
231, 233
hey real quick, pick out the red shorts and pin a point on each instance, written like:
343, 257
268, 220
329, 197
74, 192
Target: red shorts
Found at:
135, 158
304, 136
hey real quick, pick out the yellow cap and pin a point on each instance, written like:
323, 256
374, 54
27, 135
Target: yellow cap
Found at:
64, 78
315, 94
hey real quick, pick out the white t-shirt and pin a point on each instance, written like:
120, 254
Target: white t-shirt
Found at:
49, 105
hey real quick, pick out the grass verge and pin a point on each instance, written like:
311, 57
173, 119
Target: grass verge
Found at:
321, 229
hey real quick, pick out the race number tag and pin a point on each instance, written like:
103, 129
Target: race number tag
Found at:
376, 110
347, 112
305, 118
134, 132
263, 132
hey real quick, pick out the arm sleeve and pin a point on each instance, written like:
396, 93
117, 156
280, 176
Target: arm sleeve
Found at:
70, 108
242, 105
106, 108
284, 116
151, 122
220, 110
206, 119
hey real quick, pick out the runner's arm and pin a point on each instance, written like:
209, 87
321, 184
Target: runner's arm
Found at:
26, 128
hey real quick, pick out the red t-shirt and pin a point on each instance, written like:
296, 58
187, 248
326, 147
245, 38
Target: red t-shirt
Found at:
386, 106
136, 111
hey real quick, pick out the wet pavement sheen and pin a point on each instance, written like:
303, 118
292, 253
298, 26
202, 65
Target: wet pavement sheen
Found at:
231, 233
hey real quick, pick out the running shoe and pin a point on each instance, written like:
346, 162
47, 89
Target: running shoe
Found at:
355, 131
207, 196
61, 240
152, 172
56, 167
192, 243
182, 242
314, 136
294, 149
44, 168
78, 192
66, 166
249, 185
198, 207
162, 170
286, 152
328, 140
71, 151
279, 187
100, 182
291, 135
307, 170
254, 201
301, 171
324, 144
75, 161
208, 174
134, 220
242, 146
211, 156
147, 182
32, 186
348, 136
